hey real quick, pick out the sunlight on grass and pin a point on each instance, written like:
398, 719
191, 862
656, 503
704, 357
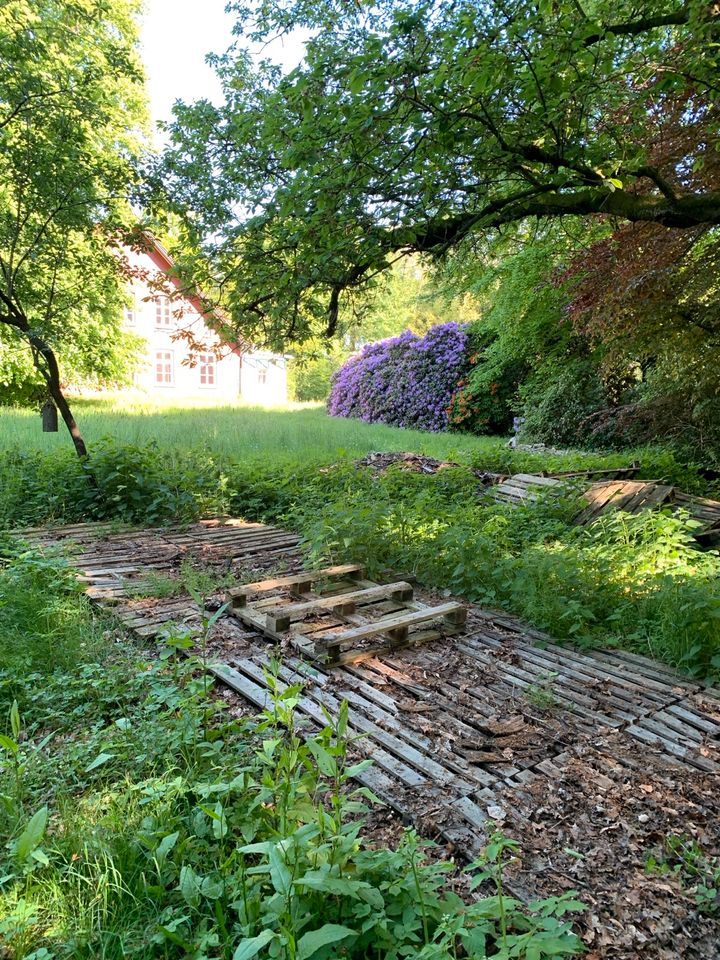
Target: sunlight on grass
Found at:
236, 431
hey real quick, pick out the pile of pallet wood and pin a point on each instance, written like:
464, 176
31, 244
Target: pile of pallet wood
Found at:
616, 493
335, 615
527, 487
634, 496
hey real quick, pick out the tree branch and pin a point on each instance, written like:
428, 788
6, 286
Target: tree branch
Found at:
635, 27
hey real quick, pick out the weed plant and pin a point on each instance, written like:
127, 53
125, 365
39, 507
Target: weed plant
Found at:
698, 872
634, 581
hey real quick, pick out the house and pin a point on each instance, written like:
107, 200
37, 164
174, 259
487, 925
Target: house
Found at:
169, 322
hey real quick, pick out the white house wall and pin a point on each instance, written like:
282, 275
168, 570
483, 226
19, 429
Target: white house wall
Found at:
256, 377
263, 378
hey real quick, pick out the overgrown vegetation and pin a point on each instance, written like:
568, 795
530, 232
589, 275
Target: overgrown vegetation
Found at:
598, 340
138, 819
698, 871
639, 582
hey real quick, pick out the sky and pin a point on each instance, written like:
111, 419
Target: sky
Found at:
176, 35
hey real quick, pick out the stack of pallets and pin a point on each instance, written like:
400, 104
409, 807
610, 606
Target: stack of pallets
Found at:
335, 615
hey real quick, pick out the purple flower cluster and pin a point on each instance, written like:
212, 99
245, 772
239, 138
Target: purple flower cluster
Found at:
407, 381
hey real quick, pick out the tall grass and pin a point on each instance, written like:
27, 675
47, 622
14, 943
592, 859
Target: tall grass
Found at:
300, 430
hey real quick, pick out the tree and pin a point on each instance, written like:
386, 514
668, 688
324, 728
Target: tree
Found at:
414, 126
71, 111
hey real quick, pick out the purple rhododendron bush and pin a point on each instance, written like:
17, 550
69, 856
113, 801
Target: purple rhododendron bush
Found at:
407, 381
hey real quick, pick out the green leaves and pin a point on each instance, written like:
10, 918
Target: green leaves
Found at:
189, 886
311, 943
250, 947
9, 745
99, 761
326, 763
30, 839
15, 720
71, 115
165, 846
417, 129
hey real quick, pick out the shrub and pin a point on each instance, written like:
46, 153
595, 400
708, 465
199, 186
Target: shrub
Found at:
407, 381
558, 400
130, 483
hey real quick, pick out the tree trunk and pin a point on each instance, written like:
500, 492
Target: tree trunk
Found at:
50, 371
46, 364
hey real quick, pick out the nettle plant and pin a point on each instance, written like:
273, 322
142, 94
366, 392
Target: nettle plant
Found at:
307, 886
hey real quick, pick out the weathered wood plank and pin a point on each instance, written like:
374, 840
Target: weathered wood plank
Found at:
239, 595
455, 612
280, 617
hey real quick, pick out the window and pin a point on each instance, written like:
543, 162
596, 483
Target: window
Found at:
164, 368
163, 316
262, 376
208, 362
130, 310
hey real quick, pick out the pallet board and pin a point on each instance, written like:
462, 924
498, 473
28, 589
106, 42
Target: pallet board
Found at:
617, 493
329, 615
456, 728
116, 562
634, 496
525, 488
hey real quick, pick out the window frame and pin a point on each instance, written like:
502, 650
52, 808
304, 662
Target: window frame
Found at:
207, 364
163, 314
168, 358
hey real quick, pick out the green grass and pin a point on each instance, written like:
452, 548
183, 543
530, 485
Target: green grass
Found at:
640, 584
300, 430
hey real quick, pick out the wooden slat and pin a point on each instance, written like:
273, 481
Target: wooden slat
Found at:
280, 617
598, 497
536, 480
238, 595
400, 742
655, 735
646, 497
362, 696
456, 612
625, 691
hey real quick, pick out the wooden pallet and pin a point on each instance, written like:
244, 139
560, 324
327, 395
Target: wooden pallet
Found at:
433, 718
525, 488
630, 496
115, 561
613, 473
633, 496
333, 615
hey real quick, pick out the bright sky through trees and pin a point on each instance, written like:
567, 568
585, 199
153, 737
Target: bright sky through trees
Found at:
176, 38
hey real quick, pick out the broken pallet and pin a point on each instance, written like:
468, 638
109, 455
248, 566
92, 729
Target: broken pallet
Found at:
333, 615
524, 488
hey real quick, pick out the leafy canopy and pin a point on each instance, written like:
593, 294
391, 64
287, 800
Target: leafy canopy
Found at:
72, 109
411, 126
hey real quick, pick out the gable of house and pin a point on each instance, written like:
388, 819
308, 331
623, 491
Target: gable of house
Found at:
170, 368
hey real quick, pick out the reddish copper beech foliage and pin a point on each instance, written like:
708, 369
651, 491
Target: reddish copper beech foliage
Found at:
644, 280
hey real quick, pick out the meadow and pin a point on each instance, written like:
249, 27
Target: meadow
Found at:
233, 431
